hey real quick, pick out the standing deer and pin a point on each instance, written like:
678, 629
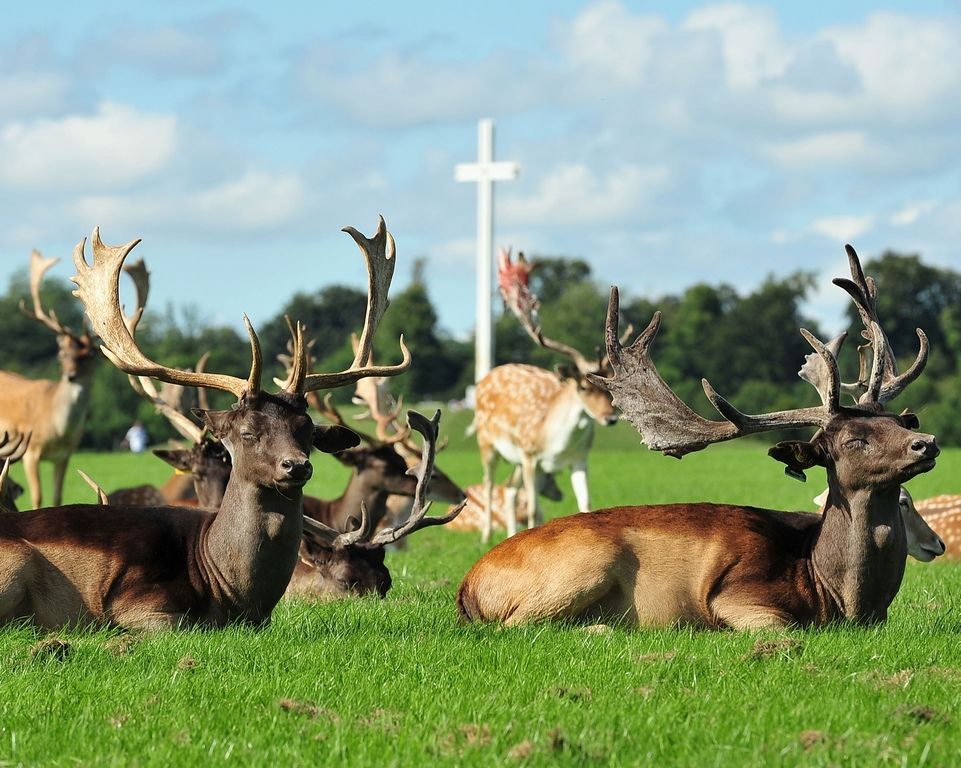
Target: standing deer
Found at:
54, 412
535, 418
721, 565
334, 564
169, 567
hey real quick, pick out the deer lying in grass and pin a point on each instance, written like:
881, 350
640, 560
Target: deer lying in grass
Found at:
943, 513
507, 499
535, 418
336, 564
721, 565
53, 412
170, 567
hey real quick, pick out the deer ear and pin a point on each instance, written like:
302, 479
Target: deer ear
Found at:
215, 421
564, 372
798, 455
333, 438
177, 459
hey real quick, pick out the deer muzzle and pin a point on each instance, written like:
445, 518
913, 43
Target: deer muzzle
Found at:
298, 471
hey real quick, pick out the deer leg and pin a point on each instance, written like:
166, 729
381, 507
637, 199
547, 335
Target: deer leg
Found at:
579, 484
59, 473
31, 467
510, 510
737, 614
489, 462
529, 469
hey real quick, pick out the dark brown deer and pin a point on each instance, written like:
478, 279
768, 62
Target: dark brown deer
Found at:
535, 418
336, 564
53, 412
172, 566
719, 565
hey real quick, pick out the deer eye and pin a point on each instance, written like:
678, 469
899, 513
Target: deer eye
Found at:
855, 443
248, 437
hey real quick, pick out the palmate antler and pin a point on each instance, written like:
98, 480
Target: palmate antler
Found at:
361, 536
666, 423
97, 288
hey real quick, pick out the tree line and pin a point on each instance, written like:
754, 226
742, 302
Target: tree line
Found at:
747, 345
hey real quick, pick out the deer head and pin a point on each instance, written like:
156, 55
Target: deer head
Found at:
512, 282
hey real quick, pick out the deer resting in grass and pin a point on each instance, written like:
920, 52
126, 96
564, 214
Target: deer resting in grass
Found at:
943, 513
334, 563
169, 567
535, 418
53, 412
721, 565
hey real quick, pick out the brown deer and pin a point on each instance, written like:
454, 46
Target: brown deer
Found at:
169, 567
535, 418
54, 412
720, 565
334, 564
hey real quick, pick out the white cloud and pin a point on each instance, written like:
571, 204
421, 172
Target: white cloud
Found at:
830, 148
30, 93
911, 212
114, 147
843, 228
573, 194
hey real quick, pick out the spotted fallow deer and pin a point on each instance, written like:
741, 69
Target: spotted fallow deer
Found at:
943, 514
335, 564
721, 565
535, 418
169, 567
54, 412
507, 498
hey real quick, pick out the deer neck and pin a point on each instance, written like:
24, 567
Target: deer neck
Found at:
362, 489
251, 546
565, 415
860, 552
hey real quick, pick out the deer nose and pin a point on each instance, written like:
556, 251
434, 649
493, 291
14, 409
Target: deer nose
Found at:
611, 420
297, 470
927, 446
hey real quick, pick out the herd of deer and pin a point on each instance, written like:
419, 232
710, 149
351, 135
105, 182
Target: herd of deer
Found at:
233, 531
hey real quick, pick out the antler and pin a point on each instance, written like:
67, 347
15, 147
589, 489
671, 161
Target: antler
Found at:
14, 444
39, 267
666, 423
361, 536
379, 253
884, 383
98, 289
330, 412
167, 403
141, 280
101, 494
512, 282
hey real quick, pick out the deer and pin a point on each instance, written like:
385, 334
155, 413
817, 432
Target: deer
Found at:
173, 567
53, 412
534, 418
943, 513
721, 565
507, 498
348, 560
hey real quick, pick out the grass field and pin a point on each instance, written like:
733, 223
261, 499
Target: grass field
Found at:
400, 682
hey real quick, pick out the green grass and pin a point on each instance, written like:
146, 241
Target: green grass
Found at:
400, 682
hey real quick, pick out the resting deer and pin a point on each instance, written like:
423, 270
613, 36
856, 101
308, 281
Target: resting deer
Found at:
721, 565
536, 418
507, 498
168, 567
335, 564
54, 412
943, 513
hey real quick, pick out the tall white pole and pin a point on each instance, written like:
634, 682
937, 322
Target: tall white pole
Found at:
484, 333
485, 172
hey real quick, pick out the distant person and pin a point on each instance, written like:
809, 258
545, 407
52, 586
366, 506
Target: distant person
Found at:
136, 437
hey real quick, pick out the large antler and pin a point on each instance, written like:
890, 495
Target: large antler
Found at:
329, 411
98, 289
361, 536
379, 252
512, 282
884, 383
666, 423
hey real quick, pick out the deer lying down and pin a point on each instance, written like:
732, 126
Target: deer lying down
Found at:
718, 565
924, 544
944, 513
170, 567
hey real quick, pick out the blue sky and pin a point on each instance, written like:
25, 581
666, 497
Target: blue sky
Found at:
667, 143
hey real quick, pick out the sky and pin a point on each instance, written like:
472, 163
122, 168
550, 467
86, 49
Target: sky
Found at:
666, 143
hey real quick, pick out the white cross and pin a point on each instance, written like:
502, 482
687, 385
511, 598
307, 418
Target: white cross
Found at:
485, 172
